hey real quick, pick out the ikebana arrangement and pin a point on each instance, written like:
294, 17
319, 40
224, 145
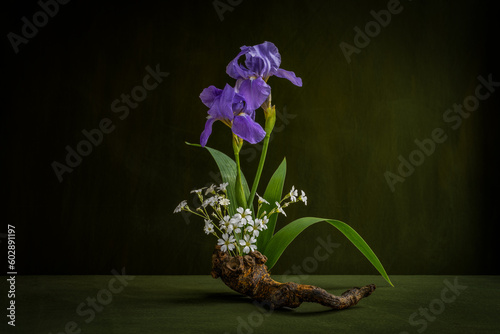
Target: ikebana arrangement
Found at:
247, 245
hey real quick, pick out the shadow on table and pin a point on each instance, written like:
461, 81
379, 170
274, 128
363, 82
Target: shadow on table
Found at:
211, 298
233, 299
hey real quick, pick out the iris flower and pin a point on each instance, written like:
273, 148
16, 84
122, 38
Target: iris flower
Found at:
261, 62
229, 107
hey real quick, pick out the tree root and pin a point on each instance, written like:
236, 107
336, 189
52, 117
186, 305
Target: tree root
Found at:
248, 275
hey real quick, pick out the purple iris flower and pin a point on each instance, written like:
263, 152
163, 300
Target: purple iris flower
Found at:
230, 108
262, 61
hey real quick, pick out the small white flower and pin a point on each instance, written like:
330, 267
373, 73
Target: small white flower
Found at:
263, 222
249, 244
222, 186
246, 216
198, 191
293, 194
212, 201
180, 206
227, 242
247, 220
209, 227
244, 213
261, 199
280, 209
226, 224
254, 227
236, 222
224, 201
210, 190
303, 197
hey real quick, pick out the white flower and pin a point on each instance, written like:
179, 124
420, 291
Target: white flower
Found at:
280, 209
224, 201
254, 227
244, 213
249, 244
293, 194
236, 222
261, 200
209, 227
212, 201
303, 197
263, 222
198, 191
226, 224
180, 206
240, 219
247, 220
210, 190
222, 186
227, 242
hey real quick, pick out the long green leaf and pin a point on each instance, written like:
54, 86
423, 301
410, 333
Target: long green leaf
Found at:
272, 194
227, 168
287, 234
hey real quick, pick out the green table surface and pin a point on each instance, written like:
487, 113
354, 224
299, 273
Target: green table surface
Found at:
201, 304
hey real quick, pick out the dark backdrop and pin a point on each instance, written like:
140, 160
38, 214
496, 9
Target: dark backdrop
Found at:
341, 132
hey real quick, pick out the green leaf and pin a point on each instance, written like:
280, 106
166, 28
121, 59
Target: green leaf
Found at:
272, 194
227, 168
280, 241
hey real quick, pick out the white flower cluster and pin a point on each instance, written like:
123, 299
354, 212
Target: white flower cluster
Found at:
218, 201
292, 197
239, 233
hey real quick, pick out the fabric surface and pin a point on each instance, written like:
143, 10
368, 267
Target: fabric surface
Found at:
201, 304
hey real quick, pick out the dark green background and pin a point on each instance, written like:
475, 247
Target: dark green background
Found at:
347, 126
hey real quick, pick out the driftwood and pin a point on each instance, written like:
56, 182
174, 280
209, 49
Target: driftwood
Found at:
248, 275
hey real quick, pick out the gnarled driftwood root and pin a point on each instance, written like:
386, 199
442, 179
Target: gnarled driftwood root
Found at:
248, 275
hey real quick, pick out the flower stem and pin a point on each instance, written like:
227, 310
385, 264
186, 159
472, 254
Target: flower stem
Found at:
270, 114
259, 168
240, 194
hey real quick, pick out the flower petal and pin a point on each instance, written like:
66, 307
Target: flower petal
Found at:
207, 132
281, 73
255, 92
245, 127
209, 94
263, 59
235, 70
223, 108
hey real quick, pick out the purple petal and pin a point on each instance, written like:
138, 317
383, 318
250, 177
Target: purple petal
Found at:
255, 92
207, 132
248, 129
281, 73
239, 104
263, 59
225, 110
235, 70
209, 94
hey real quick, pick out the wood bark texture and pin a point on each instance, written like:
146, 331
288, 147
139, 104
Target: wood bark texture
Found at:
248, 275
